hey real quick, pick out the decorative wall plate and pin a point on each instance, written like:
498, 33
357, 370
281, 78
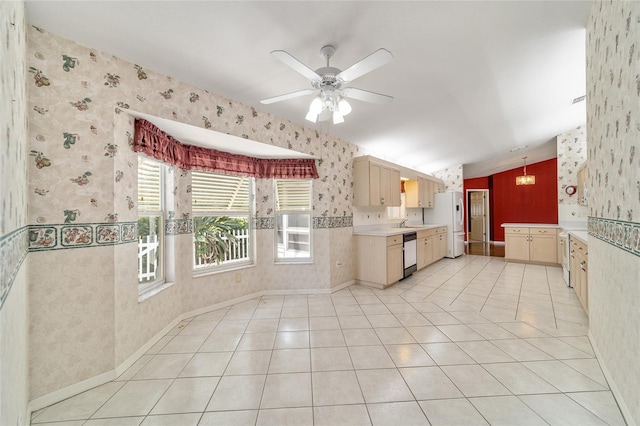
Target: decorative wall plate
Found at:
570, 190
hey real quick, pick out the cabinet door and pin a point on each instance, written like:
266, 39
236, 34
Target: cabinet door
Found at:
516, 246
412, 194
394, 263
543, 248
394, 188
442, 246
375, 177
584, 284
428, 193
421, 245
429, 250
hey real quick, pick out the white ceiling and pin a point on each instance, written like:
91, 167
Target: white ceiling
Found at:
471, 80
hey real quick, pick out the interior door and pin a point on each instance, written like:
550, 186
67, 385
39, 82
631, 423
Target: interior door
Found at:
477, 231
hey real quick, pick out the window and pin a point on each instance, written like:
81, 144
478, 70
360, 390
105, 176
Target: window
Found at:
150, 224
293, 219
221, 220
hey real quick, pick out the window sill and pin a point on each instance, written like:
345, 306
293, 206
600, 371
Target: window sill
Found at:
197, 273
153, 290
293, 262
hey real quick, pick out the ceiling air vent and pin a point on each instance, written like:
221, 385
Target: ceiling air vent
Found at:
578, 99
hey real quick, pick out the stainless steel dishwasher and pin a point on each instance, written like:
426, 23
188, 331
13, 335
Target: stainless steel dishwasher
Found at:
409, 254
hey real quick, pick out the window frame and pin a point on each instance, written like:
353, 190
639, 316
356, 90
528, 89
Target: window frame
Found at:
213, 268
144, 288
279, 214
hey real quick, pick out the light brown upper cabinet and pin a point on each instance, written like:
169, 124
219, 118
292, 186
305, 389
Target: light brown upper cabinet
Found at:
419, 193
375, 183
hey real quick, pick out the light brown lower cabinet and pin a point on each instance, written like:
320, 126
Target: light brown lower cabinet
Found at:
379, 260
537, 245
432, 246
578, 273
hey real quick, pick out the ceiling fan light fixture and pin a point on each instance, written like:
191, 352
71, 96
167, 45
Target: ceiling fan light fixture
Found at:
337, 117
344, 107
316, 106
312, 116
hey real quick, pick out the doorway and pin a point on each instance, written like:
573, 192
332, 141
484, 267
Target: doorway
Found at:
478, 215
479, 225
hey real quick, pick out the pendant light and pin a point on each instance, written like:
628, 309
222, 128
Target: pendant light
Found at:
525, 179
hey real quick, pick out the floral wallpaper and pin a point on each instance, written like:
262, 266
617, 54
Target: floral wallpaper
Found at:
82, 206
13, 125
613, 143
452, 177
613, 100
572, 153
14, 271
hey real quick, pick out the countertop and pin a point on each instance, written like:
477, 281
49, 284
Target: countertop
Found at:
531, 225
581, 235
575, 230
389, 230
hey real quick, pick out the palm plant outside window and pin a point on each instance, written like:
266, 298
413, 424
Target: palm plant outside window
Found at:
293, 220
221, 220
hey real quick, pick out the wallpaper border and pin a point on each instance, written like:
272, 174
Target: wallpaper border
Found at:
82, 235
620, 234
13, 251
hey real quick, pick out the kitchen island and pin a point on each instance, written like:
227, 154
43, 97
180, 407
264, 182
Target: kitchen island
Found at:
531, 242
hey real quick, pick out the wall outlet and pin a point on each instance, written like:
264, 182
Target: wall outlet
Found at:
238, 277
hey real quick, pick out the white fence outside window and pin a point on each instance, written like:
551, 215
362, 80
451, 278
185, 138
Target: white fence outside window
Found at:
238, 250
148, 257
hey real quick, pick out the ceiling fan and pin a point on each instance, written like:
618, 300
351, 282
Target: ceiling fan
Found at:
328, 83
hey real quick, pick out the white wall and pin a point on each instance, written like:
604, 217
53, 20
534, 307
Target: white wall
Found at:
14, 304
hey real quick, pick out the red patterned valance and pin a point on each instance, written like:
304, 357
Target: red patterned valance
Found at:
152, 141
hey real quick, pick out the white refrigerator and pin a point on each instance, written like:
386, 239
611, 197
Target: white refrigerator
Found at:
449, 210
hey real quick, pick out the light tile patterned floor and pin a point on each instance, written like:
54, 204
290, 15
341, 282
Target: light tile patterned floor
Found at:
468, 341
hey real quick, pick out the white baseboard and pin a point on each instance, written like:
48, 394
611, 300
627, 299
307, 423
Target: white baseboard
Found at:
614, 389
85, 385
69, 391
342, 286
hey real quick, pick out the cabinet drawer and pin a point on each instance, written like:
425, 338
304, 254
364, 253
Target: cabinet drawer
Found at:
543, 231
514, 230
442, 230
394, 239
427, 233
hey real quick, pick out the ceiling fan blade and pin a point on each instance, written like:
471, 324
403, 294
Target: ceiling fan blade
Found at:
368, 64
366, 96
296, 65
287, 96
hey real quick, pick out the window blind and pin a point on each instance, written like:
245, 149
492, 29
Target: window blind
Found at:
216, 192
149, 185
293, 194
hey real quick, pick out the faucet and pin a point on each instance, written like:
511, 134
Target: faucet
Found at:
402, 223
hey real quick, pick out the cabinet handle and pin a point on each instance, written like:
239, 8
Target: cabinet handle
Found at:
542, 232
381, 200
516, 230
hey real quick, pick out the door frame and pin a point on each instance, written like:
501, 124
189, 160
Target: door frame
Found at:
487, 224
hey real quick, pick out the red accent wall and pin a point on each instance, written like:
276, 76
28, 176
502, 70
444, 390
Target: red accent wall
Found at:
510, 203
